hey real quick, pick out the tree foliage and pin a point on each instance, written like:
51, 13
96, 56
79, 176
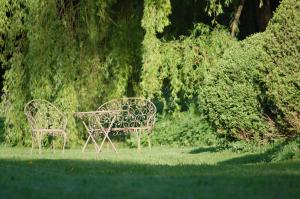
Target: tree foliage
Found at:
79, 54
255, 84
75, 54
173, 71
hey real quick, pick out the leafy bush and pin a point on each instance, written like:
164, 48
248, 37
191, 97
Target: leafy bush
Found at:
291, 150
183, 129
238, 146
283, 64
254, 90
231, 94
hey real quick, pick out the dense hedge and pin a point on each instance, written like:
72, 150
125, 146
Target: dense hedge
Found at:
282, 46
184, 129
253, 92
230, 97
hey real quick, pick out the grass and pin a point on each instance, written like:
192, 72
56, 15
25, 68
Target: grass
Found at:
163, 172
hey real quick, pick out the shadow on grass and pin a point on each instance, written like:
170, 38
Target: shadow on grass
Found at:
48, 178
257, 158
203, 149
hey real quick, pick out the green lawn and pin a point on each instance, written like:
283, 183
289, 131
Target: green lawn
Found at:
163, 172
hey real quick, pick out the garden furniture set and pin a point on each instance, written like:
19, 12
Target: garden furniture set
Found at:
118, 116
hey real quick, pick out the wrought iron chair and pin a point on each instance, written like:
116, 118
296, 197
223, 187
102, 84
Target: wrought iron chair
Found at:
136, 115
45, 118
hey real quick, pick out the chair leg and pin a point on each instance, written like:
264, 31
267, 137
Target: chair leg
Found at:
149, 141
65, 141
53, 144
138, 136
40, 142
32, 143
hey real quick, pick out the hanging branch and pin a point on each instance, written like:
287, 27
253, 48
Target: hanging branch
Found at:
234, 25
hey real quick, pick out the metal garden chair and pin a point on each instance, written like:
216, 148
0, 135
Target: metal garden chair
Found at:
45, 119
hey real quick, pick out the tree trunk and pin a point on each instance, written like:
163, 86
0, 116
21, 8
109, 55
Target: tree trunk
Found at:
234, 25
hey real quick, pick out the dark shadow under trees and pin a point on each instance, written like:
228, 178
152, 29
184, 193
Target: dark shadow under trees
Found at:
49, 178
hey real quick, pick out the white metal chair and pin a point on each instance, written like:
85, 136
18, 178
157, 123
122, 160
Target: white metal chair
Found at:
45, 118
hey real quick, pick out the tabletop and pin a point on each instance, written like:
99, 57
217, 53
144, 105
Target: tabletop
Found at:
82, 113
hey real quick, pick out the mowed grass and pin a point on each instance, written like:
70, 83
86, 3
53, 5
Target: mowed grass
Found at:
163, 172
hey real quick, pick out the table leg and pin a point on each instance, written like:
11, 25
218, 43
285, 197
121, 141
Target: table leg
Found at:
111, 143
106, 136
90, 136
102, 143
94, 140
86, 143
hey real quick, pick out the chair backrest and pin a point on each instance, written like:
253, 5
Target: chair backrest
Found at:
42, 114
135, 112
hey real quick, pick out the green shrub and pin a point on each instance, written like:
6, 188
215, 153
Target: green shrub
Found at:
282, 45
238, 146
254, 90
183, 129
289, 151
231, 95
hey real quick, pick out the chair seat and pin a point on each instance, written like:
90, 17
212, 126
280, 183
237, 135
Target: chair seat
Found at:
124, 129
